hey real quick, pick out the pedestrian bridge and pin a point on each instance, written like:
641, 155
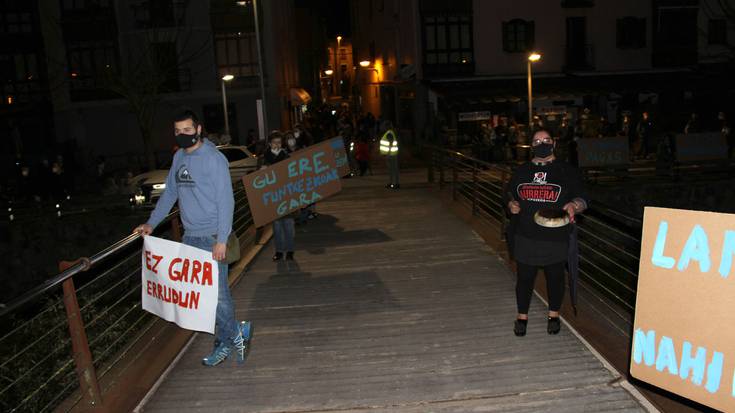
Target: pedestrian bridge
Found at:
392, 304
398, 301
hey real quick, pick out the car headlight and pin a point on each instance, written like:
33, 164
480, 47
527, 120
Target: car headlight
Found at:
159, 186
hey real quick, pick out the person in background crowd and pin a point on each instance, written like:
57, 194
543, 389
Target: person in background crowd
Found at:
606, 128
283, 228
199, 180
303, 137
727, 134
513, 139
692, 125
292, 144
362, 154
644, 131
543, 183
389, 149
251, 140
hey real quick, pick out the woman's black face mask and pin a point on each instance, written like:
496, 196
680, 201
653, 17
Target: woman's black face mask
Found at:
544, 150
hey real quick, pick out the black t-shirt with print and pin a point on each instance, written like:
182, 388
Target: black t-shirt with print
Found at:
544, 186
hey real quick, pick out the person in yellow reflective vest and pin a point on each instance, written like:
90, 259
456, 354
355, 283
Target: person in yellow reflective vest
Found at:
389, 149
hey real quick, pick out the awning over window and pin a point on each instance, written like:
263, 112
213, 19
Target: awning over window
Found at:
299, 96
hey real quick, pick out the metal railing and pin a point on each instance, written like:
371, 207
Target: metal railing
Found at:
56, 344
609, 243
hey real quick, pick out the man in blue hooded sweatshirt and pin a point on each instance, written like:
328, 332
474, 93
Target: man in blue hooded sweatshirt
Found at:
200, 180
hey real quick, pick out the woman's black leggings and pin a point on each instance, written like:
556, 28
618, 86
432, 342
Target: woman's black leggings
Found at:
554, 285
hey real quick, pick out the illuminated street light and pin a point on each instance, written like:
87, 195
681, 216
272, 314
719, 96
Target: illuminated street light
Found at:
226, 78
329, 72
532, 58
364, 63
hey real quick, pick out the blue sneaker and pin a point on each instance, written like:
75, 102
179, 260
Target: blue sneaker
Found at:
242, 341
218, 355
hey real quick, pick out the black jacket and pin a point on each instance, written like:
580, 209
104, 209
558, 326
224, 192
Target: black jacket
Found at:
269, 158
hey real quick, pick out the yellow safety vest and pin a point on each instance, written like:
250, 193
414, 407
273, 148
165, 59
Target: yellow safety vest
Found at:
389, 146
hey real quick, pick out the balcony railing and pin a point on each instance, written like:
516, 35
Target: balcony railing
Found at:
579, 57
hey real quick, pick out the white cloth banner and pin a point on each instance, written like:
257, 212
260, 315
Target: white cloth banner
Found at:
179, 283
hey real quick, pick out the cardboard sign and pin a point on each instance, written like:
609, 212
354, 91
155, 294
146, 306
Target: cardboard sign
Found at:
683, 338
180, 283
700, 147
308, 176
340, 156
612, 151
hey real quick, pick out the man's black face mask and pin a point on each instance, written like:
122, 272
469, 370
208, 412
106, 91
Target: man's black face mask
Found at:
186, 141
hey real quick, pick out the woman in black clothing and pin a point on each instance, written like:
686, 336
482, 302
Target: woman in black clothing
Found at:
542, 185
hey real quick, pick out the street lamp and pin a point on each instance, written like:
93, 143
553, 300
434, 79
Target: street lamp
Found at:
532, 58
329, 72
364, 63
337, 66
226, 78
260, 62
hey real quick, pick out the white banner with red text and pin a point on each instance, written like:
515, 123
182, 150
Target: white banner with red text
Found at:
179, 283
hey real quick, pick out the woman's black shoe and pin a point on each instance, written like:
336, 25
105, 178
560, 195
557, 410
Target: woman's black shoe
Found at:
277, 256
289, 256
520, 327
554, 325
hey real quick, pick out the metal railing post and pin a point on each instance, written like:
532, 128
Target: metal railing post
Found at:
474, 191
503, 217
90, 388
441, 170
454, 181
176, 228
432, 157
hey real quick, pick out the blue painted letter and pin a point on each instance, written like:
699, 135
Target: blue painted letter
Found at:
644, 347
696, 363
728, 253
696, 248
714, 372
658, 259
666, 356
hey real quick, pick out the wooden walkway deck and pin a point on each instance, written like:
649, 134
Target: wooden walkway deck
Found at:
393, 304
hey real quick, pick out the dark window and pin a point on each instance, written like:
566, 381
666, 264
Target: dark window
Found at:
90, 59
19, 67
167, 64
237, 54
84, 4
717, 31
518, 36
233, 154
448, 39
577, 3
158, 13
631, 33
16, 22
676, 35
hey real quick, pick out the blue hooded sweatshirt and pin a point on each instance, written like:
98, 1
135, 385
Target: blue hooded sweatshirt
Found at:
201, 182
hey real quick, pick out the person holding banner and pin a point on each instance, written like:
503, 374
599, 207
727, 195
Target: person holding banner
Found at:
543, 196
199, 179
283, 228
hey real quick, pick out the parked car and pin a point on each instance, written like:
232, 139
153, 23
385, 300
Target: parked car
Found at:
150, 185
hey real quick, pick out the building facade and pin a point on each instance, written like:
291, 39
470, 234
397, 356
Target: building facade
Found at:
103, 77
470, 56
